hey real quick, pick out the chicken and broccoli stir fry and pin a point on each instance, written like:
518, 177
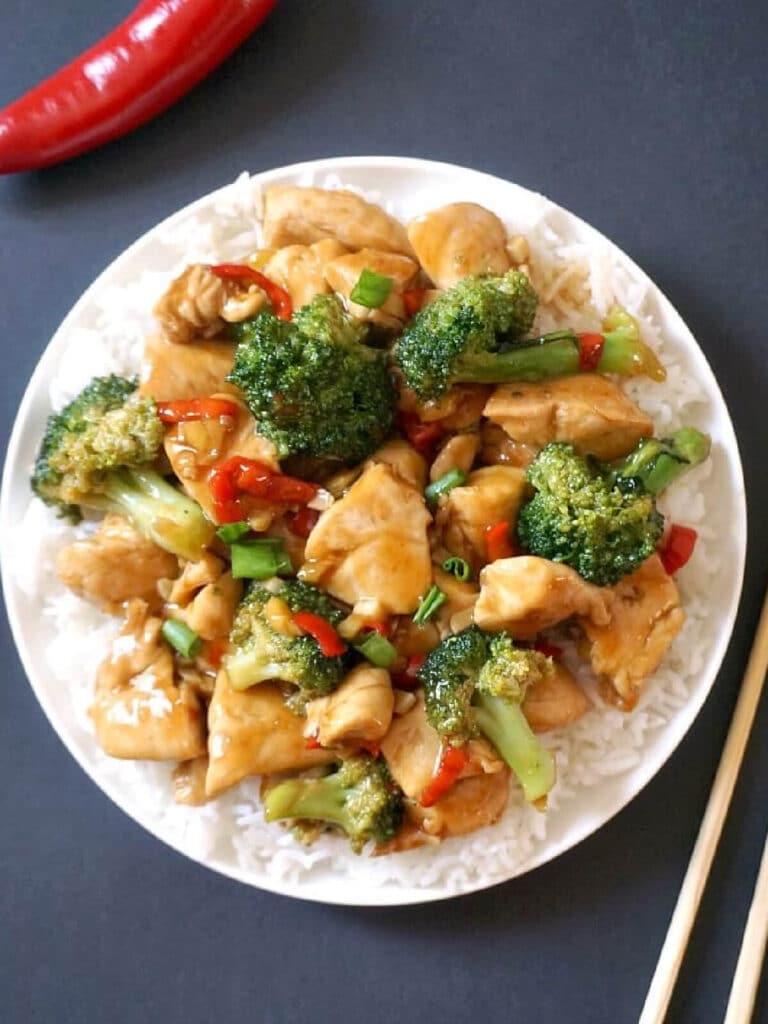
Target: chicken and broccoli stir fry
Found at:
345, 498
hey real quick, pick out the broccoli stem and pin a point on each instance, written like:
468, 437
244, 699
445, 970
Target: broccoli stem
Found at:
657, 463
246, 669
319, 799
558, 355
161, 513
506, 727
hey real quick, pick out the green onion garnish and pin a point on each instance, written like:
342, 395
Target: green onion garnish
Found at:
441, 487
231, 532
372, 289
181, 637
429, 605
378, 650
458, 567
260, 559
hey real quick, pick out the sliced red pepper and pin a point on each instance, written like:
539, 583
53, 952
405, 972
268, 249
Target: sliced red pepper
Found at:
413, 300
183, 410
497, 542
408, 679
331, 644
590, 351
423, 436
378, 626
303, 522
214, 652
313, 743
226, 497
239, 475
678, 547
279, 297
453, 761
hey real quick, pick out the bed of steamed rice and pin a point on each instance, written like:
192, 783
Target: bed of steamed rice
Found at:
576, 283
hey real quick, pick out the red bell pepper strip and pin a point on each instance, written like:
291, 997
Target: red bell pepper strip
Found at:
279, 297
331, 644
313, 743
497, 542
423, 436
413, 300
678, 547
183, 410
590, 351
378, 626
239, 475
303, 522
147, 63
453, 761
408, 679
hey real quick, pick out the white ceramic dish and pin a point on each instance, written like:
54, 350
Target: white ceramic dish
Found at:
419, 185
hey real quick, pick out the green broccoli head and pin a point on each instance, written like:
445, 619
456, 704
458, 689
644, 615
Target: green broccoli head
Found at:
108, 426
457, 337
601, 529
360, 797
260, 652
449, 675
510, 671
314, 387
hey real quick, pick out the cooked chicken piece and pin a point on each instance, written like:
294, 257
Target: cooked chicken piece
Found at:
527, 594
456, 613
189, 782
491, 495
205, 597
459, 409
252, 732
302, 216
139, 712
459, 239
372, 544
458, 452
588, 411
196, 447
498, 448
359, 711
468, 805
197, 304
114, 565
300, 269
410, 637
404, 459
343, 273
412, 752
200, 370
555, 701
644, 618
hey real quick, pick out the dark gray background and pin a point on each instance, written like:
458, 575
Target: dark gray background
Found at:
649, 120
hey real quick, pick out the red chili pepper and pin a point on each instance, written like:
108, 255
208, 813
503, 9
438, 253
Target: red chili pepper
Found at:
182, 410
148, 62
303, 522
313, 743
279, 297
214, 651
331, 644
408, 679
423, 436
240, 475
497, 542
678, 547
590, 351
378, 626
226, 497
413, 300
453, 761
549, 650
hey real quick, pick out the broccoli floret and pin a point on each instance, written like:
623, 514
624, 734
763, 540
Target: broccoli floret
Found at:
98, 452
657, 463
475, 682
457, 337
314, 387
260, 652
360, 798
580, 517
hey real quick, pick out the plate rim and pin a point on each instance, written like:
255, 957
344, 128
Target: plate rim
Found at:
388, 894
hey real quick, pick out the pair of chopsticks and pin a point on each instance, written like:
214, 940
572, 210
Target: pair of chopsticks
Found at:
748, 968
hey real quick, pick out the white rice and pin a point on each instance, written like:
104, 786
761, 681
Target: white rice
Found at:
604, 743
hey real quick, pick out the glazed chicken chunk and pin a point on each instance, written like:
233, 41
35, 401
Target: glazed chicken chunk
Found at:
359, 711
405, 461
459, 239
588, 411
114, 565
198, 304
139, 710
555, 701
300, 269
344, 272
205, 596
165, 376
372, 545
644, 618
525, 595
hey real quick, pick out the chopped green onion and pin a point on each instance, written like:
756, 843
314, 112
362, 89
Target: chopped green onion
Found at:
181, 637
441, 487
231, 532
458, 567
378, 650
372, 289
429, 605
260, 559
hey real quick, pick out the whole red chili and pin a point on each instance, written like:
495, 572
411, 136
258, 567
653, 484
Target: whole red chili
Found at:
147, 63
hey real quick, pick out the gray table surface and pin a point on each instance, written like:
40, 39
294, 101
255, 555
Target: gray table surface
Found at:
649, 121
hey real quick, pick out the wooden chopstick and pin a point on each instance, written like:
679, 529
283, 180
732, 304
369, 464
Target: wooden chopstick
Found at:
746, 978
679, 931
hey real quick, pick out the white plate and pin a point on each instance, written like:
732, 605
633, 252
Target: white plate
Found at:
417, 185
